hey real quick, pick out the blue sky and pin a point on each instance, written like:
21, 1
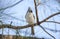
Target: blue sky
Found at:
20, 10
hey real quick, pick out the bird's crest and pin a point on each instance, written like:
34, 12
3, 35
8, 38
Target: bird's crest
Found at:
29, 9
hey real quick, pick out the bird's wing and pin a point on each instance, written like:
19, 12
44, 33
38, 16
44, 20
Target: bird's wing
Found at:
25, 15
34, 16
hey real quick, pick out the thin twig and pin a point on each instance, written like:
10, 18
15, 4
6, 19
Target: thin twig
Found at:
47, 32
13, 17
8, 29
11, 5
2, 30
50, 17
53, 22
52, 30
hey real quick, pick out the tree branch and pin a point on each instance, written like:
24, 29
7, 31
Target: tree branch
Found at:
11, 5
13, 17
36, 11
15, 27
26, 26
50, 17
52, 29
47, 32
53, 22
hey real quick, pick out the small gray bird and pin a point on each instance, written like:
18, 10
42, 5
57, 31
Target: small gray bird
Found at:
30, 19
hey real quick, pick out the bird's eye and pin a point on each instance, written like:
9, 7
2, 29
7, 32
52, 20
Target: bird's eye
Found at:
31, 11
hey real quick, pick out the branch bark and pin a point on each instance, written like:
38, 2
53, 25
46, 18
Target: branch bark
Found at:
36, 11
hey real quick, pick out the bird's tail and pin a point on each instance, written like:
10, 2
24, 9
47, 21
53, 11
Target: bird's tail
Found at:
32, 30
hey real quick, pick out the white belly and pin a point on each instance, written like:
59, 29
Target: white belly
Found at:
30, 18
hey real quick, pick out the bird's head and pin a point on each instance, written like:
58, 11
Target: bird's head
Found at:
29, 9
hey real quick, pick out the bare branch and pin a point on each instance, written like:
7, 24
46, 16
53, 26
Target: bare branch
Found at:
13, 17
39, 4
11, 5
52, 30
37, 19
15, 27
53, 22
58, 1
47, 32
36, 11
26, 26
50, 17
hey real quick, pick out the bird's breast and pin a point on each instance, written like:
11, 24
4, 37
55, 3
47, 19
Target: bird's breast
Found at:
30, 18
